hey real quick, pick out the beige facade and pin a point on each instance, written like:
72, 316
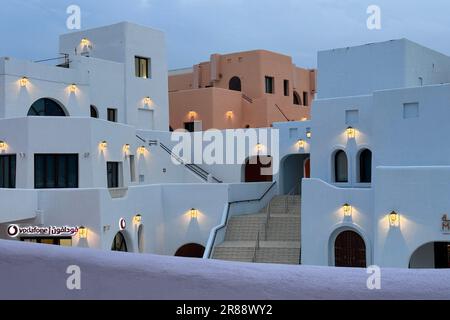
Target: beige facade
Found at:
239, 90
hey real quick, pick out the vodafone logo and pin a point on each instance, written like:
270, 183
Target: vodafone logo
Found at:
13, 231
122, 224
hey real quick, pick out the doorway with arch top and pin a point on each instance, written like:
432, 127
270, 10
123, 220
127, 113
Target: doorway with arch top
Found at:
293, 169
350, 250
191, 250
258, 169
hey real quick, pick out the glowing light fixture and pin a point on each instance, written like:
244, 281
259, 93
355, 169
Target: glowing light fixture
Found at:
85, 42
103, 145
23, 81
142, 150
394, 219
347, 210
259, 147
308, 133
3, 145
82, 232
230, 114
304, 119
193, 213
147, 101
301, 143
192, 115
73, 88
137, 219
126, 148
351, 132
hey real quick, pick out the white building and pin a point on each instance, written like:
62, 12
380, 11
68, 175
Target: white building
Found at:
87, 143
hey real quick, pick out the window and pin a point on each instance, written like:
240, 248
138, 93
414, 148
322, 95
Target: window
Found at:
94, 112
235, 84
132, 169
286, 88
305, 98
112, 115
112, 169
365, 166
64, 242
55, 171
340, 167
270, 85
46, 108
410, 110
189, 126
297, 99
8, 171
142, 66
119, 243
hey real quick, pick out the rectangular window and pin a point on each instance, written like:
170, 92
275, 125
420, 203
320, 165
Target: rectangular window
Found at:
112, 169
55, 171
132, 169
286, 88
305, 98
8, 171
270, 85
410, 110
112, 115
142, 67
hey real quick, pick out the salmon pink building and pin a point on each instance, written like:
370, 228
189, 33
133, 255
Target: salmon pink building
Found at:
250, 89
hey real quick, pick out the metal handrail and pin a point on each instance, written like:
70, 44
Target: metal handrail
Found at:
284, 115
210, 248
142, 139
257, 246
288, 196
266, 223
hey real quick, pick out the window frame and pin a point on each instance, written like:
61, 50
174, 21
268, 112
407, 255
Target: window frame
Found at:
269, 84
114, 111
139, 72
56, 157
336, 167
8, 167
286, 88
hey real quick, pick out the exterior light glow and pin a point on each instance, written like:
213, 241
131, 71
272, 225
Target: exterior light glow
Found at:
259, 147
82, 232
192, 115
193, 213
147, 101
126, 148
301, 143
394, 219
308, 133
304, 119
137, 219
73, 87
85, 42
24, 82
103, 145
3, 145
351, 132
230, 114
347, 210
142, 150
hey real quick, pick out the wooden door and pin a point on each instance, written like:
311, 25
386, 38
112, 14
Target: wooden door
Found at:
350, 250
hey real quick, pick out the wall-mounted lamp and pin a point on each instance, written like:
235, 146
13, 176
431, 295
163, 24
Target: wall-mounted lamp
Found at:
347, 210
229, 115
85, 42
82, 232
192, 115
259, 147
304, 119
394, 219
23, 81
3, 145
142, 150
147, 101
126, 148
137, 219
301, 143
308, 133
73, 88
103, 145
193, 213
351, 133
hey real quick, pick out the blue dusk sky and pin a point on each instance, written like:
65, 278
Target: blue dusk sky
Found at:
196, 28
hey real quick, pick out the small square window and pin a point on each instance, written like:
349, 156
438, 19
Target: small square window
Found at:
112, 115
351, 117
410, 110
293, 133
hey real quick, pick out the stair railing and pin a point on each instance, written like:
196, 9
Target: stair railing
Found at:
281, 111
257, 246
266, 222
292, 192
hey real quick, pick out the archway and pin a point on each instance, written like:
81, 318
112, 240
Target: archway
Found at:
191, 250
258, 169
365, 166
350, 250
235, 84
340, 162
119, 243
46, 107
297, 100
94, 112
293, 168
433, 255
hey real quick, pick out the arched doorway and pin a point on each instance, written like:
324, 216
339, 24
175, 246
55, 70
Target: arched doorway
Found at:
340, 167
119, 243
141, 239
293, 168
258, 169
350, 250
297, 100
46, 107
235, 84
433, 255
191, 250
94, 112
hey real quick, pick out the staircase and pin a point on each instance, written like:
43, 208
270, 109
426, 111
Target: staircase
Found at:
263, 237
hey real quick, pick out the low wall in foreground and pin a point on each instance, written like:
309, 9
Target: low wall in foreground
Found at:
32, 271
